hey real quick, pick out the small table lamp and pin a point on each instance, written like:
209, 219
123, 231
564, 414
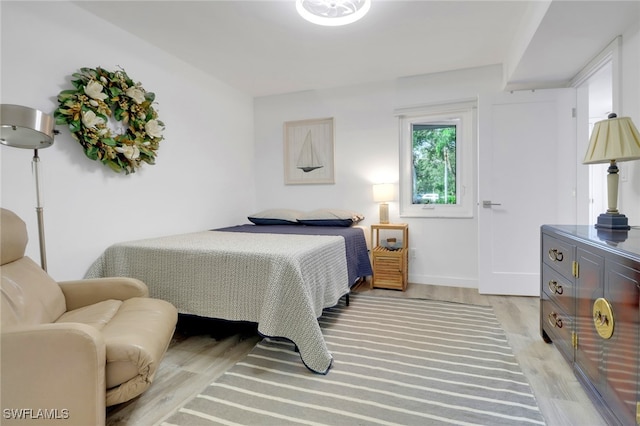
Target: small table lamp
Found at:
612, 140
28, 128
382, 193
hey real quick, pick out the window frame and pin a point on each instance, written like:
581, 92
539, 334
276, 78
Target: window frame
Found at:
464, 115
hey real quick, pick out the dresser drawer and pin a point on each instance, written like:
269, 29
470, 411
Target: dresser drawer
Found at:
559, 255
558, 289
558, 326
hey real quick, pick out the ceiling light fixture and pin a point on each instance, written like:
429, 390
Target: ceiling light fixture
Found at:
332, 12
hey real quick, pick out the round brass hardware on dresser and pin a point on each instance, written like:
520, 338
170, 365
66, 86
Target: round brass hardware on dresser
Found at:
603, 318
555, 287
554, 320
555, 255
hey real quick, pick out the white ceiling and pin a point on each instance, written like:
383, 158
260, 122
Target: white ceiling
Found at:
265, 48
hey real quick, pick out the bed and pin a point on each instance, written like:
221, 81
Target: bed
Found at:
280, 277
356, 251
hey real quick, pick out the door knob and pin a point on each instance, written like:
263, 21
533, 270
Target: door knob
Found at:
487, 204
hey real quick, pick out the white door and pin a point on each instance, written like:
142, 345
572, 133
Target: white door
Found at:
527, 178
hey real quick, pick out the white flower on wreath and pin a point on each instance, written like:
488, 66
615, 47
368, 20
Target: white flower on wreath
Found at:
93, 89
153, 128
91, 120
131, 152
136, 94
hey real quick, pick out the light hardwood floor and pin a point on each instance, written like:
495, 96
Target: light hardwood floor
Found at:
195, 359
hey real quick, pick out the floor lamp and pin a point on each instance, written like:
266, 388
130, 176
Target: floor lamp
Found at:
28, 128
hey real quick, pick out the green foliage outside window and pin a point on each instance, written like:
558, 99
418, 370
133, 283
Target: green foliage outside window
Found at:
434, 164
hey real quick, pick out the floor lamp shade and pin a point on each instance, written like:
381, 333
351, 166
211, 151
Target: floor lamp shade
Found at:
613, 140
23, 127
28, 128
382, 193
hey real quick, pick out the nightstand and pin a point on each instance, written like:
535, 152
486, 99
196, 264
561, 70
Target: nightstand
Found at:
390, 262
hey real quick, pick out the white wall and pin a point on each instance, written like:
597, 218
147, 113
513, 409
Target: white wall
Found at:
629, 187
203, 176
366, 138
367, 151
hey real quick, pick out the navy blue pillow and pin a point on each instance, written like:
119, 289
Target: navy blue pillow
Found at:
263, 221
276, 217
331, 217
327, 222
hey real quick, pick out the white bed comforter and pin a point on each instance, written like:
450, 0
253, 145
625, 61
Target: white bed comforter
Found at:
281, 282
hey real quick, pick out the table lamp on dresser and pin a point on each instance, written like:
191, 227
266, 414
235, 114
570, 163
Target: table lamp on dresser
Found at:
613, 140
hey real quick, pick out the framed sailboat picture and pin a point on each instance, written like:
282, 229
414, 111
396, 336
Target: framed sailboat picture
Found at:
308, 152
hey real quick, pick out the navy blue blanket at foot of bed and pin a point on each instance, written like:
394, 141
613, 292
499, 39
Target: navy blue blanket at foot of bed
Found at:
358, 264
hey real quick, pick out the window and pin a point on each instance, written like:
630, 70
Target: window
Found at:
437, 147
434, 163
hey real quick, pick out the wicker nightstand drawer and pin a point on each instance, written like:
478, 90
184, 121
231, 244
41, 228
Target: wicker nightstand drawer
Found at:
390, 267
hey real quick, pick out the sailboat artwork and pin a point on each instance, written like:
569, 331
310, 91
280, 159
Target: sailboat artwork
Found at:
308, 152
308, 159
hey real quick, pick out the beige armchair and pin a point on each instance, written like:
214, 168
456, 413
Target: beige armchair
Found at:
70, 349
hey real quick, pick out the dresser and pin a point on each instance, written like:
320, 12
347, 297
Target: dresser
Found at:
590, 310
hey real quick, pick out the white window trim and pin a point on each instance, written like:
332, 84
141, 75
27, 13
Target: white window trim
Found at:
464, 112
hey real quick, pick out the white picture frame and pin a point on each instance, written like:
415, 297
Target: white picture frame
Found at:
309, 152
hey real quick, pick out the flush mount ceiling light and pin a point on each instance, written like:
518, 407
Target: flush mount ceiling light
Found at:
332, 12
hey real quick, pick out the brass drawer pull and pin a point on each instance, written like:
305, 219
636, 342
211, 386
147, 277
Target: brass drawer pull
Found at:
556, 255
555, 287
554, 320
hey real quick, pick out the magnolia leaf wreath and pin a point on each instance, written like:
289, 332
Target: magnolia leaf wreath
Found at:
112, 118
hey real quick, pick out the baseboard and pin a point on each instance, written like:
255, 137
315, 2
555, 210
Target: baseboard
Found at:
443, 281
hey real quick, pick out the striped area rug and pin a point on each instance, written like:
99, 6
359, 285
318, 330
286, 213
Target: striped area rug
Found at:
396, 362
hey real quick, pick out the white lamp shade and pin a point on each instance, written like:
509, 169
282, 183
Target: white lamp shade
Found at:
613, 139
383, 192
